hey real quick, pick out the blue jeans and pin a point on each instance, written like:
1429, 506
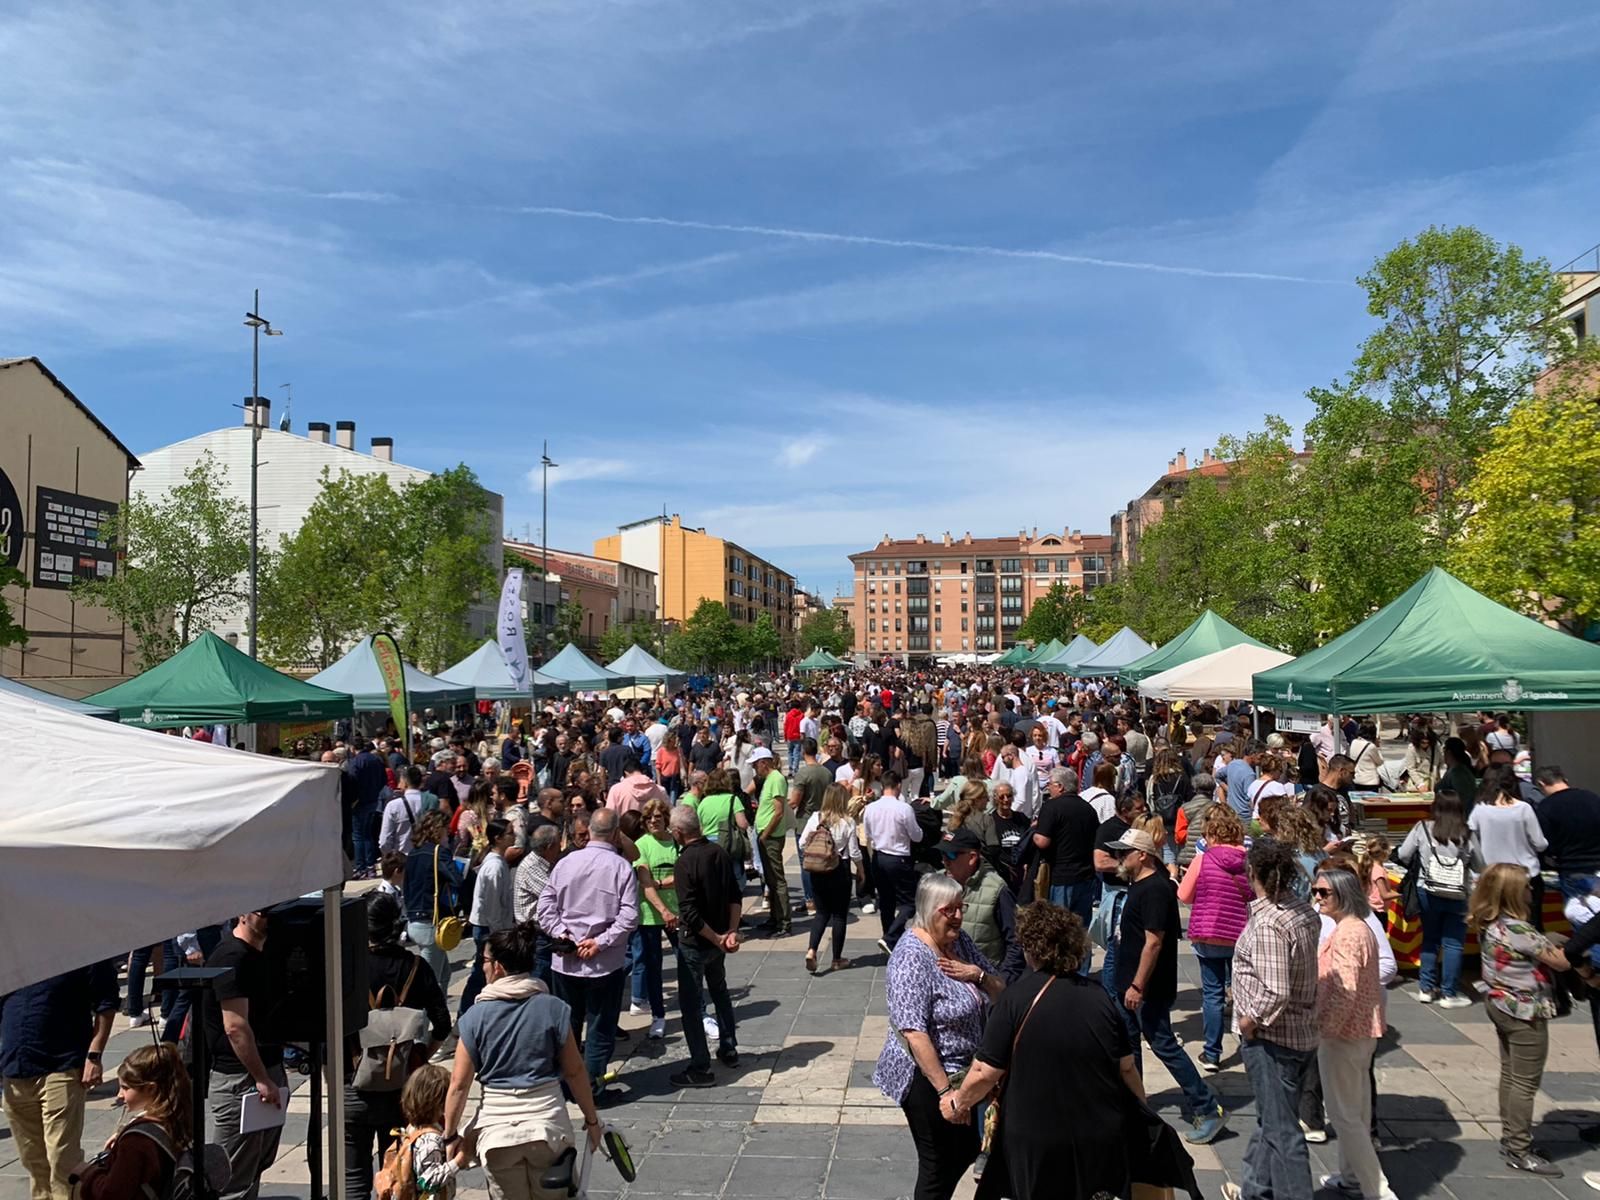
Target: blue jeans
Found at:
647, 969
1079, 898
138, 964
1443, 921
421, 934
476, 980
595, 1001
1155, 1023
1276, 1166
1216, 971
702, 968
794, 757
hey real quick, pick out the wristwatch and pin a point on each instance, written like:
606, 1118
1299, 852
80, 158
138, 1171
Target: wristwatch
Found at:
93, 1056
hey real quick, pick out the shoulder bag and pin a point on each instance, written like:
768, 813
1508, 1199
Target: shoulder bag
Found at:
446, 930
991, 1118
734, 839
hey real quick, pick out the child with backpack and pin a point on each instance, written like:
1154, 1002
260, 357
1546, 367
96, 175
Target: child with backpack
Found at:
830, 853
420, 1163
143, 1156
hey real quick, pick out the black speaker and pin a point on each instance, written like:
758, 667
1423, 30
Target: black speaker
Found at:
295, 958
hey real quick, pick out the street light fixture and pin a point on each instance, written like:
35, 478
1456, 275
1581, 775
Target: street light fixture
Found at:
545, 463
258, 325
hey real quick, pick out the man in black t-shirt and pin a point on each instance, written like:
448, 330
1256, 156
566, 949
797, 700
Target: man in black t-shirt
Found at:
243, 1063
1147, 977
1065, 831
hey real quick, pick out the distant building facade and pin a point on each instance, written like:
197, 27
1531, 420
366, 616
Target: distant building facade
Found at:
691, 565
919, 597
609, 593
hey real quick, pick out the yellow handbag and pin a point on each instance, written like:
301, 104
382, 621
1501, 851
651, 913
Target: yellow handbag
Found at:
446, 932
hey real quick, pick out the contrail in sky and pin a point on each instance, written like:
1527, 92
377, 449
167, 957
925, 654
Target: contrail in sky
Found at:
857, 239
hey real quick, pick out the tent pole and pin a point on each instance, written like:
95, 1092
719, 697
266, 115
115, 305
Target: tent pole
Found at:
333, 1059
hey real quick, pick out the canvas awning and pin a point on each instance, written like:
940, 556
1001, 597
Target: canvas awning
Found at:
51, 700
647, 668
357, 673
209, 682
1078, 649
1205, 635
1439, 647
575, 671
1225, 674
1123, 647
486, 673
146, 836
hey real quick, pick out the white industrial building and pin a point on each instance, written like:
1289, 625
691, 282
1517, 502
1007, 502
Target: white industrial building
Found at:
288, 479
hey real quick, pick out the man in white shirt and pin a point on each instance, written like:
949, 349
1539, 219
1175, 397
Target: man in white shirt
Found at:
1013, 769
1053, 728
811, 724
400, 814
892, 827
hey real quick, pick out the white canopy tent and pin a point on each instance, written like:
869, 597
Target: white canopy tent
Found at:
1222, 675
147, 836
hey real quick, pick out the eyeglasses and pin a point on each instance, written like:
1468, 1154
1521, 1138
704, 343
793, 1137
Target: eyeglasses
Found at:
953, 910
1321, 893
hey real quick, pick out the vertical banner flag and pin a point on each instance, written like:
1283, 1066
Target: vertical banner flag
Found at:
392, 668
513, 645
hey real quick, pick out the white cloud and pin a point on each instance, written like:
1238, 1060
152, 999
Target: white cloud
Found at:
578, 470
797, 452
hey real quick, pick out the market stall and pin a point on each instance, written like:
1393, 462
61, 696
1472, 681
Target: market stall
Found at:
486, 673
1123, 647
575, 671
1047, 651
1078, 649
1205, 635
357, 673
820, 660
1226, 674
646, 668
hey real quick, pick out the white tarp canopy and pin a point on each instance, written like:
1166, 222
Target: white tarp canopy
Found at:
1222, 675
144, 837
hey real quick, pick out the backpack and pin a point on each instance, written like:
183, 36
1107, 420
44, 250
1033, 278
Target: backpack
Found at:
1166, 803
397, 1177
177, 1176
821, 852
1441, 876
391, 1038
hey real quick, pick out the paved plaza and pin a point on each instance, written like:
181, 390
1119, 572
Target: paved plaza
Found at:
800, 1118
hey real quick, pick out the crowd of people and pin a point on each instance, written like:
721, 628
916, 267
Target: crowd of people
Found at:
1002, 829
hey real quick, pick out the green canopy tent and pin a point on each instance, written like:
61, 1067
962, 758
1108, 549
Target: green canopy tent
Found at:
1206, 634
1013, 657
820, 660
577, 672
1078, 649
208, 682
1440, 647
1045, 652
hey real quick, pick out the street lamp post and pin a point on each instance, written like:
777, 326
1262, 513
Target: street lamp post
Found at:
545, 464
258, 325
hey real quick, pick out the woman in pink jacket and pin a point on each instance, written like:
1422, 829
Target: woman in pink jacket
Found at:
1217, 888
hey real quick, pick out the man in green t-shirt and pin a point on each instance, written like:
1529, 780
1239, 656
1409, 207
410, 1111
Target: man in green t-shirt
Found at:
772, 822
806, 790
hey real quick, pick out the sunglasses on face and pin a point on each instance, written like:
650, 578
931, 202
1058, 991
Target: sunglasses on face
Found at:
1321, 893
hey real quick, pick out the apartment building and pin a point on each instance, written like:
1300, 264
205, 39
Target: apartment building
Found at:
919, 597
609, 593
691, 565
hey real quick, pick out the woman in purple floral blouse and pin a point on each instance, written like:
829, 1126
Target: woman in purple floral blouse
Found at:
939, 988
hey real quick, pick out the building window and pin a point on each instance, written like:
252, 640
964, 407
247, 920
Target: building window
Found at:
1011, 583
1063, 564
963, 643
917, 566
898, 645
963, 585
872, 587
938, 585
963, 568
917, 624
963, 624
938, 625
872, 643
896, 587
897, 625
1041, 564
1010, 564
916, 587
872, 624
986, 566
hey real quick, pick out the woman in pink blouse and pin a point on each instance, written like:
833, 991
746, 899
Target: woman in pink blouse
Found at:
1350, 1019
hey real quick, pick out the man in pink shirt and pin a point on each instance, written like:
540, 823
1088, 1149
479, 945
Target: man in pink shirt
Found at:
634, 790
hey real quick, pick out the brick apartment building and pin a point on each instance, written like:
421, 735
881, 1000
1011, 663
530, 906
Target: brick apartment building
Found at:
919, 597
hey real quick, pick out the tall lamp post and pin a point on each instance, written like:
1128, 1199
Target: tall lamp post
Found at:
545, 463
258, 325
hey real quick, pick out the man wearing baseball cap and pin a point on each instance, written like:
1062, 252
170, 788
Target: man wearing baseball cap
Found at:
1147, 976
991, 915
772, 823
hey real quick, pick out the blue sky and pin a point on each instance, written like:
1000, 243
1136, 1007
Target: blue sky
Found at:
806, 271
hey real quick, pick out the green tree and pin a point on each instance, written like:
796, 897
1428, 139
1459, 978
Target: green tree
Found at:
827, 628
11, 634
708, 640
186, 557
1060, 613
615, 642
568, 626
444, 540
1465, 326
1533, 540
335, 579
761, 643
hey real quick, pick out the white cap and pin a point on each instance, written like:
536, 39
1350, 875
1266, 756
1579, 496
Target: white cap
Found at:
759, 753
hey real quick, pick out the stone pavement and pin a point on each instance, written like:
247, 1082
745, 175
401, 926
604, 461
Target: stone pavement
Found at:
799, 1117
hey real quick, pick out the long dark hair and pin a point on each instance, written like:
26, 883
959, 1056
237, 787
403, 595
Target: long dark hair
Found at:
1449, 817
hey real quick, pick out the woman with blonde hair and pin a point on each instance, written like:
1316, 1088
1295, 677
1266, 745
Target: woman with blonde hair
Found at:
831, 887
1217, 889
1517, 965
972, 812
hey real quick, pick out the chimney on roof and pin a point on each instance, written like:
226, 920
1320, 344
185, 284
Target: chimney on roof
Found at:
249, 412
946, 537
264, 412
1310, 446
1180, 464
921, 539
344, 433
966, 538
1035, 531
317, 431
383, 448
1208, 459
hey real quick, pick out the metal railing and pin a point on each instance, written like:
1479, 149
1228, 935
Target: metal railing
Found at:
1589, 260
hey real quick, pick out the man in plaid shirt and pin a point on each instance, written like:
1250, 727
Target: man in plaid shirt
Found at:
1275, 1008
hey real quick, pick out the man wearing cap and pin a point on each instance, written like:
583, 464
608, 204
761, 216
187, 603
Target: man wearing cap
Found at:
772, 823
991, 914
1147, 977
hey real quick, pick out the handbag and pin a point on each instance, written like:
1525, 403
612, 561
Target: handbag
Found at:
991, 1119
1411, 888
447, 930
736, 839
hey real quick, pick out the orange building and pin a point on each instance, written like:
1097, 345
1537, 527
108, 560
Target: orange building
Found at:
917, 597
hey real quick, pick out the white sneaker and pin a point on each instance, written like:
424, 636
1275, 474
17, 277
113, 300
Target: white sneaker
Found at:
869, 908
1315, 1136
713, 1030
636, 1009
1231, 1191
658, 1028
139, 1020
1455, 1002
1592, 1178
1425, 997
1338, 1183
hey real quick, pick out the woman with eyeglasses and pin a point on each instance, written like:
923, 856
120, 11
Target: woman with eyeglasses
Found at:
1350, 1021
939, 988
